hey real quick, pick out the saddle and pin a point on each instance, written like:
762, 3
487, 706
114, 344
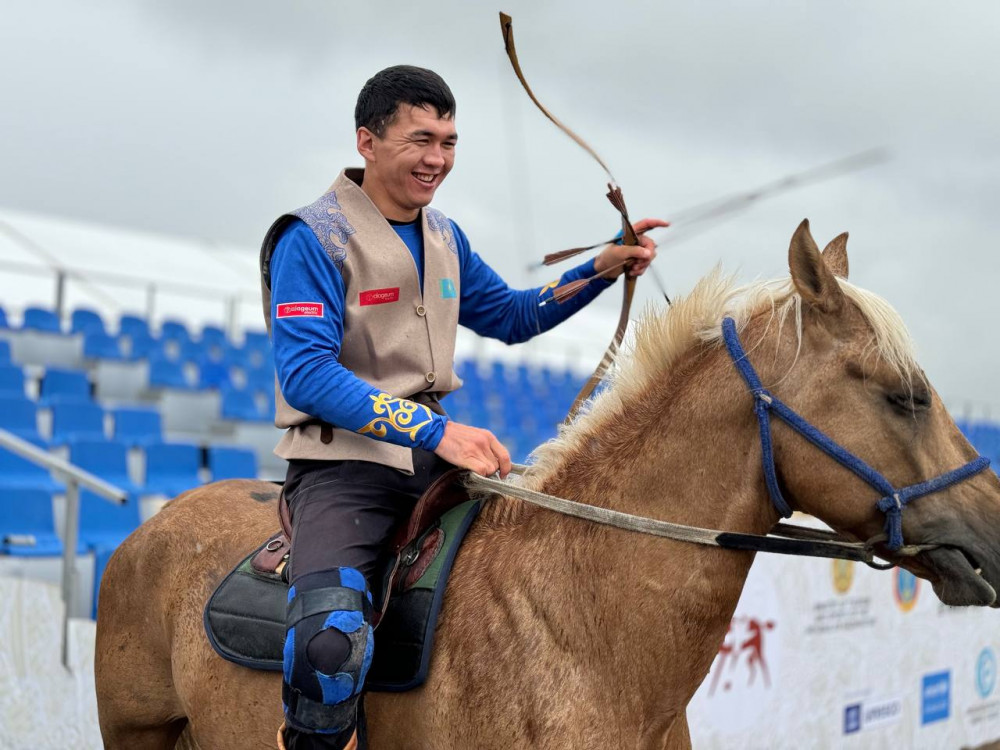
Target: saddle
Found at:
245, 616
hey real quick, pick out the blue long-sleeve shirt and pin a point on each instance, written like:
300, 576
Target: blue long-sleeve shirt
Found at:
306, 349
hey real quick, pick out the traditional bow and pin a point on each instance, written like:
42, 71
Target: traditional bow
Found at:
629, 236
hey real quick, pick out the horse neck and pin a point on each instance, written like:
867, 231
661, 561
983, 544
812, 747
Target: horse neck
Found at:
688, 453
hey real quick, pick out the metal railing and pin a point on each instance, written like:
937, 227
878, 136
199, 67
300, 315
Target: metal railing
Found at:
75, 478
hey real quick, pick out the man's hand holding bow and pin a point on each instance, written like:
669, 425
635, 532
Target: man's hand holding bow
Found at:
613, 257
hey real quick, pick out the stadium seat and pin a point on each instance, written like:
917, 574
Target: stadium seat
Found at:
101, 557
107, 459
256, 340
86, 321
213, 374
11, 381
144, 346
19, 415
40, 319
174, 330
213, 336
19, 473
240, 405
27, 523
76, 421
133, 326
261, 378
104, 524
61, 386
4, 354
98, 345
166, 373
172, 468
192, 351
137, 426
232, 463
3, 319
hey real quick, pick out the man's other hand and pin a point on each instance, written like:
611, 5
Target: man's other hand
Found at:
613, 256
474, 449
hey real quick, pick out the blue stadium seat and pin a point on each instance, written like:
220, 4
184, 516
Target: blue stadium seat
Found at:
19, 415
232, 463
101, 346
145, 346
4, 353
76, 421
133, 326
86, 321
137, 426
174, 330
166, 373
235, 356
192, 351
256, 340
107, 459
104, 524
62, 386
27, 523
213, 374
3, 319
213, 336
261, 378
240, 405
172, 468
11, 381
20, 473
40, 319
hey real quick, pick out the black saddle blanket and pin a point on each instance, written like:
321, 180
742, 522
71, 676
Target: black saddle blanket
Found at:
245, 616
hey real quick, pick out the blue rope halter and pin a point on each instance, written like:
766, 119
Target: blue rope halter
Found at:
893, 500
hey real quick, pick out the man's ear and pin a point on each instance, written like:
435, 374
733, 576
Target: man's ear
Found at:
366, 144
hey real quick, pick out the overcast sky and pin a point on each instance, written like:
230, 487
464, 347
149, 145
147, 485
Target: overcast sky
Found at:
208, 118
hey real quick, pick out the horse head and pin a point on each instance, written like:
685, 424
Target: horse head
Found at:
853, 375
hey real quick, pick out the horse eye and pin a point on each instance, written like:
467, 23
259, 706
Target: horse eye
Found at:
909, 402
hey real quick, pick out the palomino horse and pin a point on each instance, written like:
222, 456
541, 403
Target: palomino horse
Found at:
560, 633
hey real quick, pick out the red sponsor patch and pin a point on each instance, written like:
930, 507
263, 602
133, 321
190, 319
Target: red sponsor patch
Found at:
380, 296
300, 310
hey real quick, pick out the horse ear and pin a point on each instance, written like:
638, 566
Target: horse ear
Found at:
835, 255
812, 279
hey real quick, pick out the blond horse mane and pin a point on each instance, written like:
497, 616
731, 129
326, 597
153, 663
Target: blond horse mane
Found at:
663, 336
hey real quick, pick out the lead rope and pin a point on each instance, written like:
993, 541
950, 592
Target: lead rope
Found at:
787, 539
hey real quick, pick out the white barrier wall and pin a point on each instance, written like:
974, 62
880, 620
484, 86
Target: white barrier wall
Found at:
42, 705
824, 654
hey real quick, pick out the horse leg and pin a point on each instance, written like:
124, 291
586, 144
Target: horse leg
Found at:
679, 735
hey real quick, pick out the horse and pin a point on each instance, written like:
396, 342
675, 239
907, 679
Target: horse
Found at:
561, 633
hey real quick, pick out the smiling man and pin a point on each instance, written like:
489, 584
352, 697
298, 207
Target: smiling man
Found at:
363, 292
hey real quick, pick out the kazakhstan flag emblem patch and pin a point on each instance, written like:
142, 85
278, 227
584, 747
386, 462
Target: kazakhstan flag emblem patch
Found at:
448, 289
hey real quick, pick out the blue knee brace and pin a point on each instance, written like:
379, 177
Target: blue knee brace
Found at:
328, 622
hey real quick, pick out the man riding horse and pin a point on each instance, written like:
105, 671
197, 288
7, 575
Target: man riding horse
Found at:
363, 291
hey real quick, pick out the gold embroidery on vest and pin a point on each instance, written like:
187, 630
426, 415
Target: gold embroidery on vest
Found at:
399, 415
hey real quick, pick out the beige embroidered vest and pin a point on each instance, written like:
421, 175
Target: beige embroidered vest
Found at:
397, 337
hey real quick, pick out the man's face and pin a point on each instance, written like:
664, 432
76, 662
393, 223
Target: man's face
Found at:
412, 159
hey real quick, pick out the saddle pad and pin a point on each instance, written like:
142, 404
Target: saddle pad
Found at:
245, 616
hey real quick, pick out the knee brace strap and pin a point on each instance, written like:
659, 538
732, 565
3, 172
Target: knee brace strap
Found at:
337, 599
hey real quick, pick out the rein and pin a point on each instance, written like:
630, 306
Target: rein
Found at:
785, 539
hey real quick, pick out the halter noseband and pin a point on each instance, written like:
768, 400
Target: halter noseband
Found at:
892, 501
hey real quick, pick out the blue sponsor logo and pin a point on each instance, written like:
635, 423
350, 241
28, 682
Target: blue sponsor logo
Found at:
852, 718
935, 697
448, 290
986, 672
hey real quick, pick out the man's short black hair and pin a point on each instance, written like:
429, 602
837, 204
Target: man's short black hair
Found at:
401, 84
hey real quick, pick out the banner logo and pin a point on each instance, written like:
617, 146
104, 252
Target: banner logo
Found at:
379, 296
986, 672
300, 310
935, 697
906, 589
870, 714
843, 576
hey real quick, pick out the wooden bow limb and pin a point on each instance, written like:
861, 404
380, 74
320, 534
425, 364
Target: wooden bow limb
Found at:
629, 236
